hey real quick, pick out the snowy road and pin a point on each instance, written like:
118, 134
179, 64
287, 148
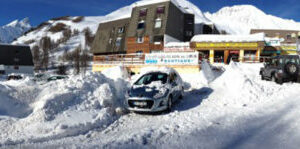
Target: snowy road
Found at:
237, 110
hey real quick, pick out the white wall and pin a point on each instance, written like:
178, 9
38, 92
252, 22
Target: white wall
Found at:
22, 69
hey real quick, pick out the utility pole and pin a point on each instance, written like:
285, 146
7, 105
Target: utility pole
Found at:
298, 43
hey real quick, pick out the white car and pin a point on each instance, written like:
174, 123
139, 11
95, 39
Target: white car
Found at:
155, 91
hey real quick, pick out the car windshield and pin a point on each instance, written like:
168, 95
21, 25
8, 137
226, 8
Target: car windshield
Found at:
152, 77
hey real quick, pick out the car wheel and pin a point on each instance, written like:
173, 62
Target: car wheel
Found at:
291, 68
169, 104
279, 81
262, 77
273, 79
181, 93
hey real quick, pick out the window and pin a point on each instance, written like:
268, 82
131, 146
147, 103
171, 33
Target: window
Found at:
140, 40
110, 41
160, 10
288, 37
139, 53
16, 67
173, 77
190, 22
143, 12
157, 23
121, 30
158, 39
118, 41
152, 77
141, 25
188, 33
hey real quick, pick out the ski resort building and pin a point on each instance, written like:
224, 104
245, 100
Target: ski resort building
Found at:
282, 42
16, 59
223, 48
146, 31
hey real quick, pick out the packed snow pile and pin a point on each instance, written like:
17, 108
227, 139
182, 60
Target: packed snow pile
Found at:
240, 19
14, 30
240, 83
33, 112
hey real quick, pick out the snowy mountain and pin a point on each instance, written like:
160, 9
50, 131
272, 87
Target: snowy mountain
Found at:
14, 30
234, 20
240, 19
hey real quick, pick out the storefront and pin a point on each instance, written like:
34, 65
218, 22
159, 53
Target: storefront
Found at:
223, 48
288, 49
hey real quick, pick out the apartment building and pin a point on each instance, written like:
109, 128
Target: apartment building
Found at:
146, 31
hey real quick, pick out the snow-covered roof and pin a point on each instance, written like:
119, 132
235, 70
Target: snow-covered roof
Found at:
177, 44
150, 2
229, 38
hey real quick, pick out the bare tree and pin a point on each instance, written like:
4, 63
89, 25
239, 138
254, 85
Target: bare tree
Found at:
89, 37
76, 56
84, 60
45, 44
36, 57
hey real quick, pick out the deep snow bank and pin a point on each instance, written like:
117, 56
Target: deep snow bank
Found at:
30, 112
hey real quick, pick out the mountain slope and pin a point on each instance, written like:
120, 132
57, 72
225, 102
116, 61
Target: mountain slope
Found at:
240, 19
14, 30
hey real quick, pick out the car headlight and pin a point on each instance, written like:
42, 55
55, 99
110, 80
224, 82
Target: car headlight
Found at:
127, 94
162, 92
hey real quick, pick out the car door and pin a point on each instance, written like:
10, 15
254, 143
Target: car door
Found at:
271, 67
173, 85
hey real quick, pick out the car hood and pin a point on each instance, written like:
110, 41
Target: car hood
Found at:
144, 91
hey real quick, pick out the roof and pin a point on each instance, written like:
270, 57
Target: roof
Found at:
229, 38
9, 54
151, 2
177, 44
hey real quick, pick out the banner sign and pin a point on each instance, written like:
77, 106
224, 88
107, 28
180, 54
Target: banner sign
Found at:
186, 58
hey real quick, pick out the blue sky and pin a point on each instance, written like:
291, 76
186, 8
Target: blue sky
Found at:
42, 10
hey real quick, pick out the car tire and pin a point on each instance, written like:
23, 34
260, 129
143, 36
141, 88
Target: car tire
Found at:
181, 94
262, 77
291, 68
273, 79
279, 81
170, 102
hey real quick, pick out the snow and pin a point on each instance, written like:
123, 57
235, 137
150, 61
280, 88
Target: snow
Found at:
240, 19
14, 30
33, 112
177, 44
229, 38
234, 110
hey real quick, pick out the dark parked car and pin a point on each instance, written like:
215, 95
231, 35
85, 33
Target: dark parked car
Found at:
14, 77
281, 69
155, 91
54, 78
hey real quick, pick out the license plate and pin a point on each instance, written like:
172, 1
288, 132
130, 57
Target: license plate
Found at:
138, 103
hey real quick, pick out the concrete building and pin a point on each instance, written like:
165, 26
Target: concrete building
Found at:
16, 59
148, 28
111, 37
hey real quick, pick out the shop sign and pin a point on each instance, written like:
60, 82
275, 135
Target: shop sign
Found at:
186, 58
227, 45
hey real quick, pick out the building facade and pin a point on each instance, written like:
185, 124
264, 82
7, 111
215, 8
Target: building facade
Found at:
111, 37
16, 59
278, 42
146, 31
223, 48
